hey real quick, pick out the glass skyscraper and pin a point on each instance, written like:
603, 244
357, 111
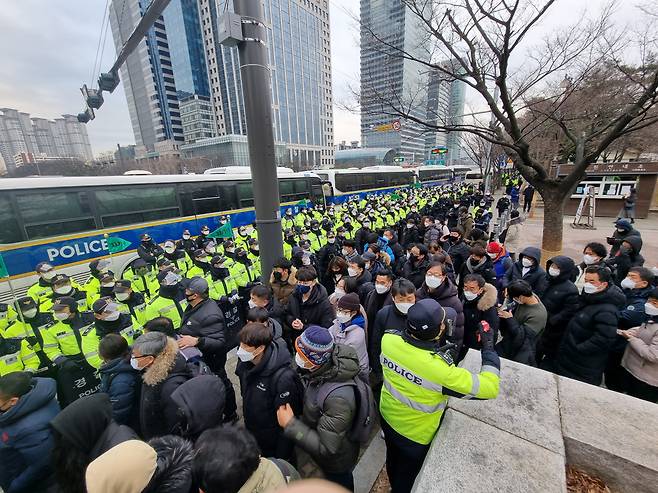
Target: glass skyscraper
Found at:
388, 80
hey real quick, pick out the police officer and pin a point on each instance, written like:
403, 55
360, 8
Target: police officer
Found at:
143, 278
97, 268
7, 316
109, 320
170, 300
176, 256
203, 237
106, 289
200, 264
40, 290
148, 250
16, 355
186, 243
130, 301
62, 286
418, 378
220, 281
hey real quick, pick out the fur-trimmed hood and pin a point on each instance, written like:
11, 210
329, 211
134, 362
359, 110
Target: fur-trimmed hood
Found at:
163, 364
489, 297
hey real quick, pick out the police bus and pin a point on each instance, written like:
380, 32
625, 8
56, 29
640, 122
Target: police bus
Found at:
340, 184
66, 221
432, 175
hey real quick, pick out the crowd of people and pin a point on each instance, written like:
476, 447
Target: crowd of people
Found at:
121, 383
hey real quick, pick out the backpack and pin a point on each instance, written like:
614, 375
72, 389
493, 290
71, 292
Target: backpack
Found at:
364, 422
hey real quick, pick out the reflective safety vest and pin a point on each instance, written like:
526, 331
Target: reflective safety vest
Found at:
67, 340
147, 285
318, 240
221, 287
34, 336
254, 269
412, 400
81, 297
287, 222
160, 306
17, 355
7, 320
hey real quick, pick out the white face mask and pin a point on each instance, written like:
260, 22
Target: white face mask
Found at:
306, 260
186, 237
627, 283
112, 317
343, 317
589, 288
31, 313
492, 255
470, 296
339, 292
244, 355
589, 259
122, 296
134, 362
433, 281
48, 275
553, 272
61, 316
352, 272
527, 263
409, 226
650, 310
302, 363
108, 285
403, 307
169, 249
62, 289
331, 241
344, 252
381, 288
251, 304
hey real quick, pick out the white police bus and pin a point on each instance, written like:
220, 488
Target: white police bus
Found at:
340, 184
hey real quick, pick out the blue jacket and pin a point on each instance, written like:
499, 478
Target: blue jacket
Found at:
26, 439
632, 315
122, 383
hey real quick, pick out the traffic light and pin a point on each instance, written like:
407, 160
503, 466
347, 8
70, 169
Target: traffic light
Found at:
108, 82
398, 159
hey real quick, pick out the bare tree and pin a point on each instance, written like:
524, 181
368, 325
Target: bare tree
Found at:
523, 84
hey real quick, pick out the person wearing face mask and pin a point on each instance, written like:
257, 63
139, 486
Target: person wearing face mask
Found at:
323, 431
378, 298
129, 301
390, 317
42, 289
479, 300
202, 238
373, 264
455, 247
148, 250
220, 281
316, 236
98, 268
416, 266
119, 379
432, 232
309, 304
27, 405
623, 230
200, 264
260, 296
350, 328
336, 270
639, 375
561, 302
177, 256
636, 286
502, 264
143, 277
626, 257
289, 242
109, 320
527, 268
283, 280
361, 235
16, 354
62, 286
512, 237
349, 251
186, 243
254, 256
392, 242
521, 327
203, 327
356, 269
478, 262
288, 222
267, 382
594, 255
591, 332
244, 269
411, 413
326, 255
410, 233
170, 301
107, 289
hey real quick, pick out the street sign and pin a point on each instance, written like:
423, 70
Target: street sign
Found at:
394, 126
3, 268
116, 245
439, 150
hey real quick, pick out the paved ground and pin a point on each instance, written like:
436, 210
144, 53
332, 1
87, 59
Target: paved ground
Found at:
574, 240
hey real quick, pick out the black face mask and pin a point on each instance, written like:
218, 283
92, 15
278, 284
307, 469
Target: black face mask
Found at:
190, 298
277, 275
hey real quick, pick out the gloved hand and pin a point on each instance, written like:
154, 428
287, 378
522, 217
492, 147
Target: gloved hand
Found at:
485, 336
234, 298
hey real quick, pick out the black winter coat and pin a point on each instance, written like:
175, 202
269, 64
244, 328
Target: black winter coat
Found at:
486, 270
561, 302
589, 336
316, 310
446, 296
536, 276
415, 271
122, 383
265, 387
388, 318
481, 308
458, 252
206, 322
364, 286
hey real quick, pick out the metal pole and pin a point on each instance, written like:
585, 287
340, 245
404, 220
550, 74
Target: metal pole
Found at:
256, 87
18, 308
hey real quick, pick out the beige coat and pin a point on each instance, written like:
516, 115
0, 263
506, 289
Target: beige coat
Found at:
514, 240
641, 355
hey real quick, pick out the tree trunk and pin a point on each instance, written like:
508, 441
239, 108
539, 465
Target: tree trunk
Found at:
553, 223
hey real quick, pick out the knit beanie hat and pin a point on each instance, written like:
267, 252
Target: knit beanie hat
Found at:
349, 302
315, 345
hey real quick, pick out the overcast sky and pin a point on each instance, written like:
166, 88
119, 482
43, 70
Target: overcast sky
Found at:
49, 48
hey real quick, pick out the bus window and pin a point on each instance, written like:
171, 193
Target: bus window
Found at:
10, 231
199, 198
245, 195
55, 213
293, 190
317, 195
119, 206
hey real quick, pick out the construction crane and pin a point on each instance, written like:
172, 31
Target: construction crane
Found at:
108, 81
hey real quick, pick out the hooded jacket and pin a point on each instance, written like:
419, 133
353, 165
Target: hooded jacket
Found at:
624, 258
354, 334
265, 387
513, 236
561, 302
316, 310
535, 276
27, 439
458, 252
589, 336
173, 473
325, 433
87, 425
618, 237
121, 382
282, 290
484, 268
520, 333
388, 318
481, 308
267, 477
158, 413
446, 296
126, 468
415, 271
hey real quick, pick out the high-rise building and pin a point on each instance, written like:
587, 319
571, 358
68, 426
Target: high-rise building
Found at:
390, 81
148, 77
300, 67
20, 135
197, 117
445, 106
